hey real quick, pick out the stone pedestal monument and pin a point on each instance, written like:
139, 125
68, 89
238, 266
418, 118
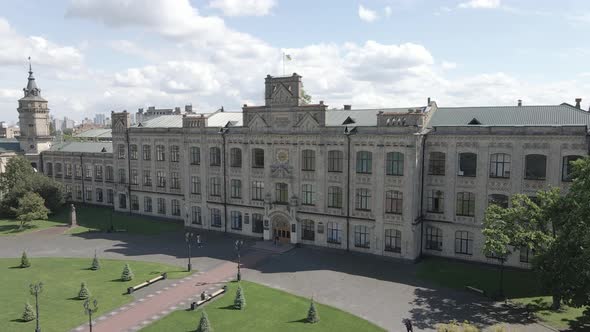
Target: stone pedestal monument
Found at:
73, 222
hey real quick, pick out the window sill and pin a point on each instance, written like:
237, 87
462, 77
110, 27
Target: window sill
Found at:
364, 173
334, 207
306, 239
465, 215
304, 204
363, 210
334, 242
466, 176
499, 177
216, 226
308, 170
195, 164
536, 179
394, 174
335, 172
437, 174
236, 229
394, 213
257, 166
434, 249
235, 197
362, 246
437, 212
463, 253
397, 250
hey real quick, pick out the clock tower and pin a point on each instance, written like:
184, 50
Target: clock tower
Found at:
33, 117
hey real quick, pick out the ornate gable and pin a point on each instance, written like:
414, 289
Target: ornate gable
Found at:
119, 126
281, 94
257, 122
307, 122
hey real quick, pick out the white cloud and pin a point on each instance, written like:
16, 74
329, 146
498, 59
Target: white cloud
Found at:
387, 11
481, 4
243, 7
447, 65
367, 14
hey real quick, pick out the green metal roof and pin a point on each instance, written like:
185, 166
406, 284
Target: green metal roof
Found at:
9, 145
85, 147
542, 115
95, 133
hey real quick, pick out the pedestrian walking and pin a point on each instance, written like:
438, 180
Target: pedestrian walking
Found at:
408, 324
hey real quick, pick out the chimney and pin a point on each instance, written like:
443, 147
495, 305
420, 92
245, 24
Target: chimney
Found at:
578, 101
520, 102
428, 103
347, 107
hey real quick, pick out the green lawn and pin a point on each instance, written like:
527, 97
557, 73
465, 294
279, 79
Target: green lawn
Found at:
266, 309
522, 287
59, 311
94, 218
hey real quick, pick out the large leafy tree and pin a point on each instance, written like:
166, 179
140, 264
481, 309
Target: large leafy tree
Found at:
30, 207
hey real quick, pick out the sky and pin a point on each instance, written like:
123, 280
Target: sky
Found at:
98, 56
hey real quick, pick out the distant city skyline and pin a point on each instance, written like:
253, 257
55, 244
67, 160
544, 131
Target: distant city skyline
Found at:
98, 56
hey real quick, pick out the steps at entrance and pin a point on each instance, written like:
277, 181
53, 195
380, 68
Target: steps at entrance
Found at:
269, 246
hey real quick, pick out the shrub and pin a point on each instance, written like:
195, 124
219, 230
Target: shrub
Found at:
95, 263
24, 261
84, 293
312, 314
240, 300
29, 313
204, 325
127, 274
454, 326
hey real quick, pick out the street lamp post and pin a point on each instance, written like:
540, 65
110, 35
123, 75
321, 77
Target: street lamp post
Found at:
90, 309
238, 246
36, 289
188, 237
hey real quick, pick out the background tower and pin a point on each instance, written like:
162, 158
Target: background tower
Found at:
33, 116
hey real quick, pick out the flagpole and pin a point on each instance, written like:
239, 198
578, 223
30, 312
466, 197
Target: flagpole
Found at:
283, 63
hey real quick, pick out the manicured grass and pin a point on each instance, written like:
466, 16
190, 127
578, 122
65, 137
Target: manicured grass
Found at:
59, 310
266, 309
94, 218
522, 287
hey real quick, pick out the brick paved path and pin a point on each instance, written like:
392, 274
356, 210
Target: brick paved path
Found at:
134, 316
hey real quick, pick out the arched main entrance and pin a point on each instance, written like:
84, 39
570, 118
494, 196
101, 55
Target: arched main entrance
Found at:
281, 229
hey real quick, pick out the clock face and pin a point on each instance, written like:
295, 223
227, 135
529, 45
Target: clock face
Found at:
282, 156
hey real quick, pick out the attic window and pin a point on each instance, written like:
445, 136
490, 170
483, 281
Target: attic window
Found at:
139, 125
103, 150
474, 121
348, 121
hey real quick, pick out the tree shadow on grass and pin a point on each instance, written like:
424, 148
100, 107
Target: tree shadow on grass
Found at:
580, 324
19, 320
542, 307
17, 267
302, 320
228, 307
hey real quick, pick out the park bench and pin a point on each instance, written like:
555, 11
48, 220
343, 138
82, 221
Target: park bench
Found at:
146, 283
476, 290
208, 297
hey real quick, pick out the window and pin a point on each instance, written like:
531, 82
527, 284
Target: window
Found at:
215, 217
121, 151
236, 188
308, 160
68, 170
78, 192
257, 190
435, 201
147, 178
161, 206
174, 153
99, 197
195, 185
122, 178
436, 163
49, 169
160, 153
58, 170
258, 158
147, 152
281, 193
110, 196
257, 222
88, 172
161, 178
308, 230
77, 171
463, 243
526, 254
196, 217
363, 199
134, 203
334, 232
109, 173
134, 176
335, 161
535, 167
307, 194
364, 161
174, 180
566, 170
147, 204
500, 165
361, 236
393, 240
394, 164
467, 164
214, 156
236, 220
122, 201
98, 172
89, 194
335, 197
394, 201
434, 238
133, 152
499, 199
195, 155
215, 186
175, 207
465, 204
235, 157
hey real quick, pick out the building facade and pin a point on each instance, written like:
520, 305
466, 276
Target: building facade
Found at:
398, 182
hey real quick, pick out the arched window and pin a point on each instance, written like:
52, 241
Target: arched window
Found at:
49, 170
160, 153
121, 151
394, 164
567, 167
434, 238
257, 158
308, 230
436, 163
308, 160
364, 161
235, 157
498, 199
463, 243
393, 240
535, 167
394, 201
214, 156
335, 160
195, 155
467, 164
500, 165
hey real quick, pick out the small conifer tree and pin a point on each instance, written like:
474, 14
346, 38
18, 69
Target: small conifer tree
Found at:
29, 313
95, 263
127, 274
240, 300
24, 261
84, 293
204, 325
312, 314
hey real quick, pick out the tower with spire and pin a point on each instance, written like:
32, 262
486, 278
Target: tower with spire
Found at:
33, 116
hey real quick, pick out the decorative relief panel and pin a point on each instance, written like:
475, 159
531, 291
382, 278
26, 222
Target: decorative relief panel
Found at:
464, 219
443, 144
362, 214
466, 181
436, 180
363, 179
393, 217
468, 144
499, 184
281, 171
257, 172
435, 216
394, 181
536, 145
335, 178
308, 175
505, 145
534, 185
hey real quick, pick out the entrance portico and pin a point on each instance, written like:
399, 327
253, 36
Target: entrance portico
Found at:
281, 228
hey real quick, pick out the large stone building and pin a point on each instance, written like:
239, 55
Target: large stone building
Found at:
399, 182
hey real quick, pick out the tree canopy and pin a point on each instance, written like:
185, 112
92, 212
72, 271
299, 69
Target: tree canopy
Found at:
31, 207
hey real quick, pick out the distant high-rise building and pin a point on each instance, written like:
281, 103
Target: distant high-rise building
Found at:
99, 119
68, 123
